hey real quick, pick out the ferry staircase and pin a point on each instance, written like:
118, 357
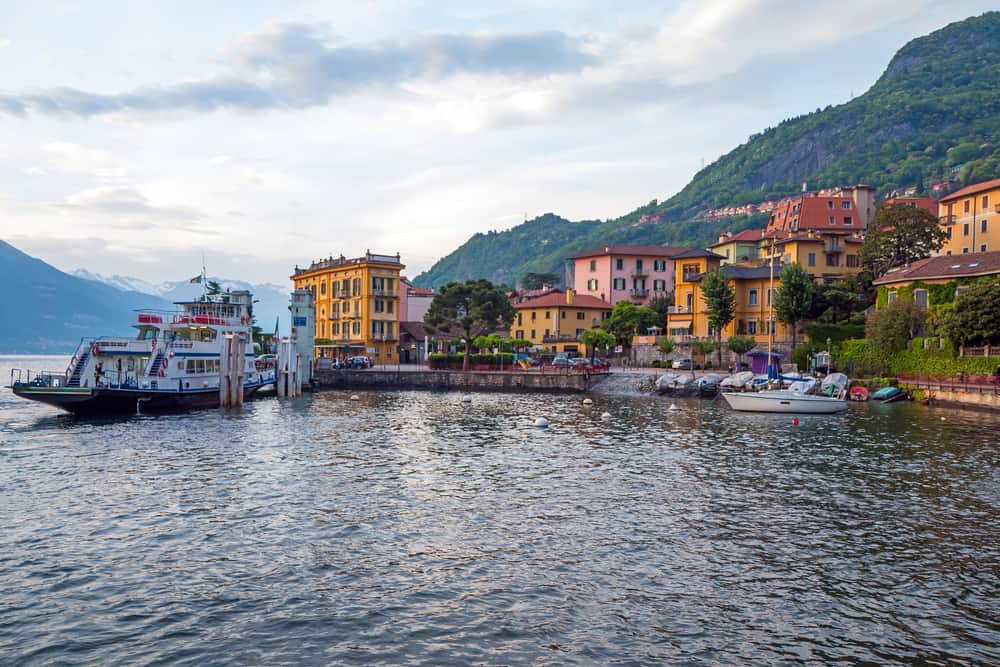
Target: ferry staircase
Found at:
81, 363
158, 362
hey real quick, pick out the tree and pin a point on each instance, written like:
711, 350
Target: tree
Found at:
666, 345
472, 308
975, 317
794, 299
213, 287
661, 304
898, 235
891, 328
704, 348
597, 339
740, 345
538, 280
627, 320
838, 301
720, 300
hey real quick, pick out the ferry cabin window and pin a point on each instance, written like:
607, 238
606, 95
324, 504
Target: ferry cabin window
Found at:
196, 334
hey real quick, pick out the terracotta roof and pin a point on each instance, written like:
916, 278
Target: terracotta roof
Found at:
641, 250
556, 299
945, 266
413, 290
972, 189
746, 235
846, 238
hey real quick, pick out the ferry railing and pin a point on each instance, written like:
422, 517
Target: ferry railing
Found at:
25, 376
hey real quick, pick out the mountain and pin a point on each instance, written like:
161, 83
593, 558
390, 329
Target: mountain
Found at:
47, 311
932, 116
271, 301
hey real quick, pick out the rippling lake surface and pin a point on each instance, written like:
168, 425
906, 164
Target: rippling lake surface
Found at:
408, 527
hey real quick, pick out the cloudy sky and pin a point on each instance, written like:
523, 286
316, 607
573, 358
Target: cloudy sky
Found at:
136, 136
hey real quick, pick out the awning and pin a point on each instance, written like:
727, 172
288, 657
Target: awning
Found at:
679, 324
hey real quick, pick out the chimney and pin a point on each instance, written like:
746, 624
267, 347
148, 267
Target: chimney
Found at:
569, 296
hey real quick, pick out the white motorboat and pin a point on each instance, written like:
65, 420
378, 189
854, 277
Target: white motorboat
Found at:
784, 400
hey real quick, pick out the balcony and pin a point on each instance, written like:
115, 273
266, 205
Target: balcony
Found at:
947, 219
690, 276
385, 338
639, 293
353, 316
640, 273
385, 293
834, 248
560, 338
679, 310
996, 207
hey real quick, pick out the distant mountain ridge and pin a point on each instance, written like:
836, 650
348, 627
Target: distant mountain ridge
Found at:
934, 115
271, 301
46, 311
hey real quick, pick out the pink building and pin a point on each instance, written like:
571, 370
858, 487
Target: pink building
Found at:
624, 272
413, 302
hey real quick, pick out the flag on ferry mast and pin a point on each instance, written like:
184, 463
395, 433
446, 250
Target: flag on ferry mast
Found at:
196, 279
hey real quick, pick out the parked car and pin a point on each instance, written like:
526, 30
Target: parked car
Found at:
685, 364
561, 360
359, 362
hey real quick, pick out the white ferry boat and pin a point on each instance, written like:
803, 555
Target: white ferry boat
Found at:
172, 364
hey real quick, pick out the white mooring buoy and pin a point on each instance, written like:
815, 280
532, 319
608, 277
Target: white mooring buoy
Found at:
355, 397
588, 401
542, 422
673, 407
467, 399
605, 415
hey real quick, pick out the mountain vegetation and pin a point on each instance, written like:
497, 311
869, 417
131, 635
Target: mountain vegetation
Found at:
932, 117
46, 311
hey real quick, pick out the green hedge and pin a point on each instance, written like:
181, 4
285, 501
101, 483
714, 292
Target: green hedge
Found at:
818, 333
871, 361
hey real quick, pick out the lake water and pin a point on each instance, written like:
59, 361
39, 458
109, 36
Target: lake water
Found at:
410, 528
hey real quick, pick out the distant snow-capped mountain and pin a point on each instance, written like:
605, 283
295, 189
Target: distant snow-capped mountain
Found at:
271, 301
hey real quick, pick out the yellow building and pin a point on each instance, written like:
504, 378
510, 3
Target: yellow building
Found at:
556, 320
754, 294
971, 217
357, 305
741, 247
826, 257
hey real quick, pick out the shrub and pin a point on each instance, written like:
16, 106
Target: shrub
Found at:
837, 333
800, 357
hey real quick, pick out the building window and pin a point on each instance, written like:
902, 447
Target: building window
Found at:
546, 316
965, 229
660, 285
322, 288
752, 297
689, 272
770, 294
592, 285
533, 336
829, 204
846, 205
986, 202
848, 220
579, 315
966, 204
832, 259
752, 327
833, 220
812, 259
534, 315
982, 248
949, 232
388, 306
965, 251
620, 264
563, 312
520, 334
852, 261
891, 298
948, 253
379, 306
619, 283
920, 298
659, 265
593, 265
983, 226
638, 264
520, 319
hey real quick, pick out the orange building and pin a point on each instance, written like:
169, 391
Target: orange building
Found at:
686, 317
971, 217
843, 209
557, 320
826, 257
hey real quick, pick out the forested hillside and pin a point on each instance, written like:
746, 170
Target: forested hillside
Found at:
933, 115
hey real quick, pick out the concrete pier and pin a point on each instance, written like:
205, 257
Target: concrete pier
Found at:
455, 380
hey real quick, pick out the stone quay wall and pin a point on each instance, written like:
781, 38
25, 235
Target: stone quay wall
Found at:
454, 380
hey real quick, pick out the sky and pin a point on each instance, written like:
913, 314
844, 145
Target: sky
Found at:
137, 138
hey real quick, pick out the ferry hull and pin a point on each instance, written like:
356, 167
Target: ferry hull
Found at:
105, 401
